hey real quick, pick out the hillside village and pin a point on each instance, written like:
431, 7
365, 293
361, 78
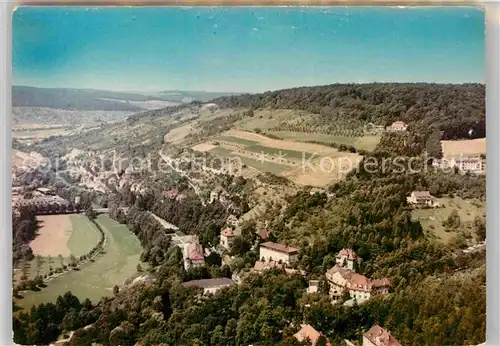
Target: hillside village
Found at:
335, 244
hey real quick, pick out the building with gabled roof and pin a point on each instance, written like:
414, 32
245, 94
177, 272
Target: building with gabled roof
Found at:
227, 237
307, 332
194, 254
378, 336
358, 286
270, 251
346, 258
397, 126
422, 199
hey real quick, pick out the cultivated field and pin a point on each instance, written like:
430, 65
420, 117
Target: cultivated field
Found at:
59, 237
367, 143
178, 134
432, 219
302, 163
95, 279
464, 147
53, 236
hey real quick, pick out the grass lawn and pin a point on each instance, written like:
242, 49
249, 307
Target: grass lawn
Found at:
432, 219
95, 279
84, 236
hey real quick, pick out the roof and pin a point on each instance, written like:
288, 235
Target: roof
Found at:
398, 122
173, 193
44, 189
421, 194
208, 283
381, 337
354, 281
263, 234
279, 247
262, 265
228, 232
349, 253
381, 282
308, 332
195, 252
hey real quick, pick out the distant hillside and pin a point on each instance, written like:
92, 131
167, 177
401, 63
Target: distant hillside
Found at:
188, 96
89, 99
452, 109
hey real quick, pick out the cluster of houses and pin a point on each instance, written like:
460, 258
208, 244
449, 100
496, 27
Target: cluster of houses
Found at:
44, 200
375, 336
342, 278
175, 195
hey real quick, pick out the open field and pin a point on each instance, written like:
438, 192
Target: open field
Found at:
303, 163
432, 219
270, 167
178, 134
84, 236
53, 235
464, 147
95, 279
203, 147
365, 143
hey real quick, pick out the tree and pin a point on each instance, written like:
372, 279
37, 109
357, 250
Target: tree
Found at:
72, 260
116, 289
90, 213
240, 246
139, 268
480, 225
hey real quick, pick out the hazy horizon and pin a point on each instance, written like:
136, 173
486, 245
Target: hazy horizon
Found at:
244, 49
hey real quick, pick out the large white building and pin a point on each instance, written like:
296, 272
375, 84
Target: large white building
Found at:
397, 126
270, 251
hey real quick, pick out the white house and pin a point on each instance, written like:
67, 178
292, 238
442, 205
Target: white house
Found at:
270, 251
227, 237
209, 285
346, 258
422, 199
378, 336
397, 126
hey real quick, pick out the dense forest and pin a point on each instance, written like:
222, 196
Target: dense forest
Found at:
453, 109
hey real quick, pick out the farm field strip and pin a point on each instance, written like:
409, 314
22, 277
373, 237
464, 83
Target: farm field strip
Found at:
236, 140
83, 237
270, 167
113, 266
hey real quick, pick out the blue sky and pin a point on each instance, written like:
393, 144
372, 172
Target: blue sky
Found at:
243, 49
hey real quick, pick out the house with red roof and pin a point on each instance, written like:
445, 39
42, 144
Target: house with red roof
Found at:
307, 332
346, 258
378, 336
358, 286
227, 237
194, 255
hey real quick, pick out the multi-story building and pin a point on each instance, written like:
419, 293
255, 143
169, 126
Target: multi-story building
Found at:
378, 336
358, 286
227, 237
193, 254
346, 259
422, 199
270, 251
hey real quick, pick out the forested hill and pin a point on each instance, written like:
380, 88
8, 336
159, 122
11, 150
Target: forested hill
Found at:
451, 108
